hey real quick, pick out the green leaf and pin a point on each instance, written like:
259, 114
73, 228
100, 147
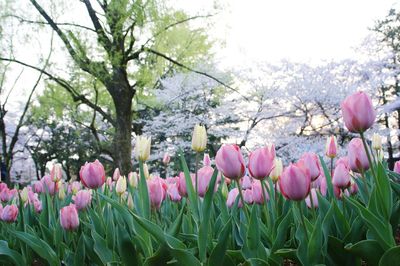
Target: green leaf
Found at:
144, 193
16, 258
101, 249
384, 191
39, 246
328, 178
216, 257
189, 187
126, 249
369, 250
204, 225
315, 243
79, 258
391, 257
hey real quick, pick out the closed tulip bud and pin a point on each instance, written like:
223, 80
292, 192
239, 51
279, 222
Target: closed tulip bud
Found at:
166, 159
224, 190
142, 148
82, 199
92, 175
295, 183
261, 162
258, 195
229, 161
396, 168
146, 171
199, 138
331, 147
341, 177
129, 202
313, 194
358, 159
182, 185
156, 192
173, 192
49, 185
206, 160
37, 204
248, 196
376, 142
358, 112
233, 194
24, 195
9, 213
120, 188
116, 174
310, 161
69, 218
75, 187
204, 175
61, 192
276, 170
38, 187
133, 179
343, 160
56, 172
246, 182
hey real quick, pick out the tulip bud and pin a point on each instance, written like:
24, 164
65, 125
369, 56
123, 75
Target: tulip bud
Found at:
142, 148
166, 159
146, 171
9, 213
313, 194
331, 147
261, 162
358, 112
82, 199
341, 177
116, 174
156, 192
277, 170
92, 175
233, 194
353, 188
258, 194
229, 161
206, 160
310, 162
295, 182
376, 142
61, 192
358, 159
199, 138
24, 194
173, 192
56, 172
69, 218
224, 190
396, 168
129, 202
120, 188
246, 182
133, 179
248, 196
75, 187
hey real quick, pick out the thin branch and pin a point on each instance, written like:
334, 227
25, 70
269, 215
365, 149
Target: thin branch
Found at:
195, 71
12, 87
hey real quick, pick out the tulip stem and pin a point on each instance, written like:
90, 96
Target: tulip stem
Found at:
331, 167
365, 183
312, 205
302, 221
263, 188
195, 172
344, 204
276, 200
371, 166
241, 198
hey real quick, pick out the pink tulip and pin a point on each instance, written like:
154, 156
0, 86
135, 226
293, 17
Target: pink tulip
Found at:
166, 159
343, 160
313, 194
9, 213
56, 172
37, 204
182, 185
261, 162
358, 112
258, 196
331, 147
2, 186
233, 194
82, 199
156, 192
310, 161
5, 195
295, 182
173, 192
341, 177
248, 196
206, 160
92, 175
69, 218
245, 182
358, 159
229, 161
74, 187
49, 185
397, 167
353, 188
38, 187
204, 175
116, 174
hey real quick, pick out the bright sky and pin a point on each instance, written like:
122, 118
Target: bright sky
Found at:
299, 30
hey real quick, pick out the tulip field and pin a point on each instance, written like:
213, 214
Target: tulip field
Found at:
319, 210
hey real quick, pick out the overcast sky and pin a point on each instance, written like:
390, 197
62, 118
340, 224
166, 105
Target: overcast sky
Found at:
299, 30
